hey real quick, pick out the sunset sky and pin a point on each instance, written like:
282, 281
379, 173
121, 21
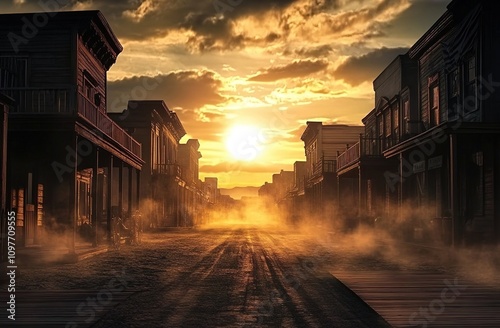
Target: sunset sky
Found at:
245, 75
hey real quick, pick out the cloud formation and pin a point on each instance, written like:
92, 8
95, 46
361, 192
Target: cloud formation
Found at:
189, 89
209, 61
220, 25
356, 70
298, 68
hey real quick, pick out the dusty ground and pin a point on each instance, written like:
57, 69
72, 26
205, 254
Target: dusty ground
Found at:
238, 276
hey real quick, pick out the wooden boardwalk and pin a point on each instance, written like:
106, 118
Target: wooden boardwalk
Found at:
60, 308
425, 299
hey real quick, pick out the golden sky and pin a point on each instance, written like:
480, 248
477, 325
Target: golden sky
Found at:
245, 75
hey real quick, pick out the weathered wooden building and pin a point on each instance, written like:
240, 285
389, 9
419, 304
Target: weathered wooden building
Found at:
297, 193
211, 189
368, 182
193, 197
440, 123
322, 143
452, 167
63, 147
162, 185
5, 103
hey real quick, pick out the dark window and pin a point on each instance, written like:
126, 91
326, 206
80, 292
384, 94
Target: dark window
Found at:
406, 115
470, 87
90, 91
453, 92
475, 201
434, 101
387, 117
395, 120
13, 72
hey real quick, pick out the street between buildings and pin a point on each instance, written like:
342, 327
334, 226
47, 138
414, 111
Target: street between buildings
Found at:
240, 276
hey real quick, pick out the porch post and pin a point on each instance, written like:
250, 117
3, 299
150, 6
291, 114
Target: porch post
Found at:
108, 198
138, 188
496, 174
340, 196
181, 203
454, 191
401, 178
95, 188
360, 191
130, 188
120, 189
73, 199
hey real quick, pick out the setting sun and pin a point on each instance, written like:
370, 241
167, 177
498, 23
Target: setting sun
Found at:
244, 142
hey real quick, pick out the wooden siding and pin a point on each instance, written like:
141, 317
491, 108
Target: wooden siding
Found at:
88, 63
388, 83
335, 138
47, 66
490, 54
404, 297
430, 64
489, 182
370, 122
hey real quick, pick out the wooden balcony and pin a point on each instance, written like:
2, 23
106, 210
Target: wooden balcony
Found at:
351, 155
61, 101
170, 170
89, 111
323, 166
42, 101
365, 147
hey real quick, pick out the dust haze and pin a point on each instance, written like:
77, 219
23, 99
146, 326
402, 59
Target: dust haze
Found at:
347, 241
361, 239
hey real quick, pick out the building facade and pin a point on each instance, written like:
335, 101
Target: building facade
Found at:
162, 185
322, 143
63, 147
5, 103
454, 160
193, 196
362, 169
444, 132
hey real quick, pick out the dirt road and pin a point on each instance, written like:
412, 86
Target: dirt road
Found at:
240, 276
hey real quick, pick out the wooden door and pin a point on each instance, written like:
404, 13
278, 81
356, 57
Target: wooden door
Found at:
29, 224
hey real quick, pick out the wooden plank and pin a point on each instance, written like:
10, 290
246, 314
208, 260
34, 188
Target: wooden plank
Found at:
405, 298
61, 308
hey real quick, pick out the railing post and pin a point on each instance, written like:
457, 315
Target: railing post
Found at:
361, 145
73, 105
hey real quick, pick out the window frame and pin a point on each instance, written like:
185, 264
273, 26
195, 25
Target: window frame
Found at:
9, 78
470, 84
406, 114
454, 92
434, 111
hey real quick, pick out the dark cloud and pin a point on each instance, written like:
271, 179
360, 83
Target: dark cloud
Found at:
344, 22
190, 89
212, 23
417, 18
319, 51
298, 68
357, 70
197, 125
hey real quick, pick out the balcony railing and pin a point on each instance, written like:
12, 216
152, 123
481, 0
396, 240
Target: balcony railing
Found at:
323, 166
351, 155
62, 101
365, 147
88, 110
41, 101
172, 170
